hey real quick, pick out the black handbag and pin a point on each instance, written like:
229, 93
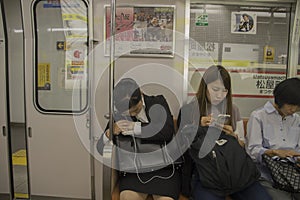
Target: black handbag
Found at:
284, 172
135, 156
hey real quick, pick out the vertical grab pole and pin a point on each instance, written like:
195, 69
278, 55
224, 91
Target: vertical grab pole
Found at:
108, 187
112, 65
108, 175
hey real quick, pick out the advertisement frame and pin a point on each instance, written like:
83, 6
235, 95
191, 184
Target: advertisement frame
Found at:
142, 30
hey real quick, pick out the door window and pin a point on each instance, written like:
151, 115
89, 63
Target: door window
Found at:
61, 52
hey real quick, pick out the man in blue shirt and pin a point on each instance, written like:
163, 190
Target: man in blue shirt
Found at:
275, 130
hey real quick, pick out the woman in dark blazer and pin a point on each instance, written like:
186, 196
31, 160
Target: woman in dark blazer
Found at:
149, 120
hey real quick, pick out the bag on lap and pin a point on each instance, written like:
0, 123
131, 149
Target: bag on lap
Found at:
285, 173
223, 165
137, 157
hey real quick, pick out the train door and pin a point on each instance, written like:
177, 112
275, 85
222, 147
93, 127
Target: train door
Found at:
56, 92
4, 162
15, 98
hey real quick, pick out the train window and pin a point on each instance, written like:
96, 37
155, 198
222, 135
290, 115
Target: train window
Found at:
61, 52
251, 41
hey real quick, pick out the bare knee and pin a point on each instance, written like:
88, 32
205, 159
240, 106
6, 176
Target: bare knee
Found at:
132, 195
157, 197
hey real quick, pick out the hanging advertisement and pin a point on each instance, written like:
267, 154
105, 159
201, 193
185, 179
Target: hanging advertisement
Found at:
44, 79
243, 22
142, 31
75, 25
269, 53
252, 83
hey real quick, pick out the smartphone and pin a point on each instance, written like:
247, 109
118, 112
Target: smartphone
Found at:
223, 119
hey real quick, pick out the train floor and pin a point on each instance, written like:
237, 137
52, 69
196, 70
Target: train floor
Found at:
20, 174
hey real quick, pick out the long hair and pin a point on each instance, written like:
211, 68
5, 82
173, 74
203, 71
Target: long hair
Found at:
213, 73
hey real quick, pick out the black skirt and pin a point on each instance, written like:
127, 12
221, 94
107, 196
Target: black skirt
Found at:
154, 183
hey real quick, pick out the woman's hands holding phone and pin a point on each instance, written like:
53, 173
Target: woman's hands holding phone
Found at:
219, 122
126, 126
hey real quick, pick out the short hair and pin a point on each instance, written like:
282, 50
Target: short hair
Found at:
126, 94
287, 92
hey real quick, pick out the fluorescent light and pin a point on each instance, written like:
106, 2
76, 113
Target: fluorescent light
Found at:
18, 30
65, 29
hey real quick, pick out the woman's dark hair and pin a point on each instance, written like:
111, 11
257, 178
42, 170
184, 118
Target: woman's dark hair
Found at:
213, 73
287, 92
126, 94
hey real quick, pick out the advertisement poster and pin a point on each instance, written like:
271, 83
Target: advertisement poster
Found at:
142, 31
203, 54
76, 32
269, 54
251, 83
243, 22
44, 76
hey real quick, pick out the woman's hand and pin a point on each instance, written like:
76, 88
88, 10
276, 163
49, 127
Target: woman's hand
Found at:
117, 130
121, 126
125, 125
206, 120
228, 130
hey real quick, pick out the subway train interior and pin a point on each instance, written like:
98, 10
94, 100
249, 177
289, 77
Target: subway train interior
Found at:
60, 60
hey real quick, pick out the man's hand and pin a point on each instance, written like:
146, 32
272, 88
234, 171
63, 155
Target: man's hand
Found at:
282, 153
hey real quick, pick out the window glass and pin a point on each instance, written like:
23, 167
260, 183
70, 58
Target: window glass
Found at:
61, 35
251, 42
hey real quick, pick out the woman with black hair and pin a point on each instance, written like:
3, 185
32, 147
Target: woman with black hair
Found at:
147, 119
214, 97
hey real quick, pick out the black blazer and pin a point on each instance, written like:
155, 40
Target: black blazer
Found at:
160, 128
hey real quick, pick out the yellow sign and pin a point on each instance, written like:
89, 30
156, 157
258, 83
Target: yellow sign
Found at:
44, 81
269, 54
